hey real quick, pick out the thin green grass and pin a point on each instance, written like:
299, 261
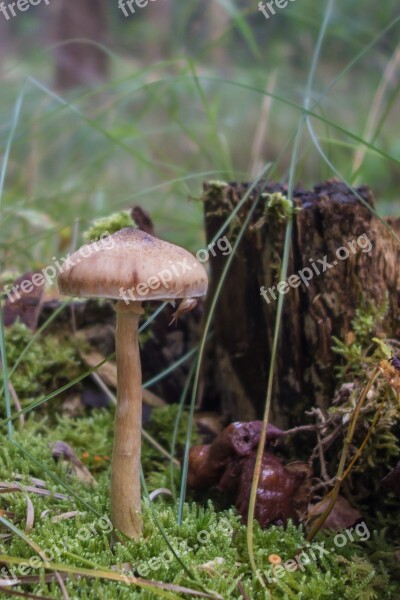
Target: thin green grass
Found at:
4, 366
283, 276
214, 157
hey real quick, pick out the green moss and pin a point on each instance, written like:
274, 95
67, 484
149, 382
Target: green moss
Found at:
357, 351
360, 356
161, 427
361, 353
211, 544
367, 319
50, 362
7, 279
98, 427
279, 207
109, 224
212, 547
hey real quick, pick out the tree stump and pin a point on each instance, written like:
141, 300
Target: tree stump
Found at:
331, 228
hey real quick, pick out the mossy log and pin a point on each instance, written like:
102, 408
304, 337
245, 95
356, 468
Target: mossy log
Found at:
332, 227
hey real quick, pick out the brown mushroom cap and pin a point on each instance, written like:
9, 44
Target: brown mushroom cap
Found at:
133, 260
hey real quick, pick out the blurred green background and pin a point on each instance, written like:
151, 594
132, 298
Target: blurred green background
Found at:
101, 112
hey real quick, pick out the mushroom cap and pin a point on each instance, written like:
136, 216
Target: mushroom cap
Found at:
131, 260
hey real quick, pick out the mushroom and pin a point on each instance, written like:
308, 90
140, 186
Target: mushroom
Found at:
130, 266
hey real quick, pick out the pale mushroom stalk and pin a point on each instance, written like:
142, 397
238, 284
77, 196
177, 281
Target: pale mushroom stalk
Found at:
131, 266
125, 466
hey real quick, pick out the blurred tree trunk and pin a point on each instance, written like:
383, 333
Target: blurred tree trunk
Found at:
160, 16
218, 24
4, 37
80, 63
316, 310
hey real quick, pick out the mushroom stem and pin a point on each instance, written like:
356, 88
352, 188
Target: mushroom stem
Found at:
125, 466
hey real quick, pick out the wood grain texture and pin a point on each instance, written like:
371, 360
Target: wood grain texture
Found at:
314, 312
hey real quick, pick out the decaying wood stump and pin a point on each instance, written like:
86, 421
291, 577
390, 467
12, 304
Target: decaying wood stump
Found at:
332, 228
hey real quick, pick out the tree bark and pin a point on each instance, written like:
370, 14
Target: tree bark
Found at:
315, 310
80, 63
